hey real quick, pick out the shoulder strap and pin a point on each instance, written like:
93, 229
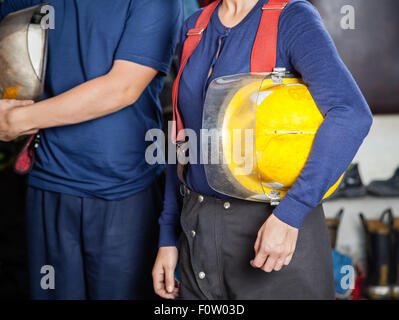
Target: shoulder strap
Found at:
264, 51
263, 57
194, 37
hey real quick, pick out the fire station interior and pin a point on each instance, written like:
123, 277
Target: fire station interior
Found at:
362, 215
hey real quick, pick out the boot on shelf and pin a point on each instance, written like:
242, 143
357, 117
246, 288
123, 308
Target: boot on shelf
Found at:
378, 253
333, 225
385, 188
395, 259
351, 185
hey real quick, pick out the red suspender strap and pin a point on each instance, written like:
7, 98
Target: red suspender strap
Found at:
194, 37
264, 52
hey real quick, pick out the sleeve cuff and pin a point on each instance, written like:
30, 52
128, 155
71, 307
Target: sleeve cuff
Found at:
292, 212
144, 61
168, 236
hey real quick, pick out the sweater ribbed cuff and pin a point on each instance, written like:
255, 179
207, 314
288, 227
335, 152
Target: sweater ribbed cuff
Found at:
168, 236
292, 212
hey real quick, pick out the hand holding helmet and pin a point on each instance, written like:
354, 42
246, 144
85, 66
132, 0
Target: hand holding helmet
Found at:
9, 116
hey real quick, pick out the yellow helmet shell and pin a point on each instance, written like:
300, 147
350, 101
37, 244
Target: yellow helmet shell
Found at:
286, 120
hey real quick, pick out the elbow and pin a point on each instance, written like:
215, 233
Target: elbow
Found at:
357, 120
127, 95
365, 122
120, 93
117, 94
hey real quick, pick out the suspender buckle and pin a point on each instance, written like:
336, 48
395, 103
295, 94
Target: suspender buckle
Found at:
278, 74
195, 32
182, 149
271, 7
274, 198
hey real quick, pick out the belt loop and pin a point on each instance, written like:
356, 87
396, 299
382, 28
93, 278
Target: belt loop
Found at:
183, 190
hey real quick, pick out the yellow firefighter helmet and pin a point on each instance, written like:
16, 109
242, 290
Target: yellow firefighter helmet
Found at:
284, 120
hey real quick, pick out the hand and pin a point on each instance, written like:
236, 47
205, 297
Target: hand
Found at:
163, 273
275, 245
9, 130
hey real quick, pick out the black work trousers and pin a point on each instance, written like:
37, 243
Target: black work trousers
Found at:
218, 244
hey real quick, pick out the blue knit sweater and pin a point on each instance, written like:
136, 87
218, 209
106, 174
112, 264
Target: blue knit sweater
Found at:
304, 48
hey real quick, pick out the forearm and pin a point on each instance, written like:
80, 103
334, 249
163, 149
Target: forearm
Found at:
90, 100
333, 149
170, 216
347, 115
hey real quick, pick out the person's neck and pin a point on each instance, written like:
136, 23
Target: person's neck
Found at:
232, 12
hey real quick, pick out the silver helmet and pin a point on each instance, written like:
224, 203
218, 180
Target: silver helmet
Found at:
23, 54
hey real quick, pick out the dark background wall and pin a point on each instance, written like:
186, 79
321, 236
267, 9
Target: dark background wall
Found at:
371, 50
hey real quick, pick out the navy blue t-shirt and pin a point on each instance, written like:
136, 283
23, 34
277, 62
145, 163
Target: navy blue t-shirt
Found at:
304, 48
103, 158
